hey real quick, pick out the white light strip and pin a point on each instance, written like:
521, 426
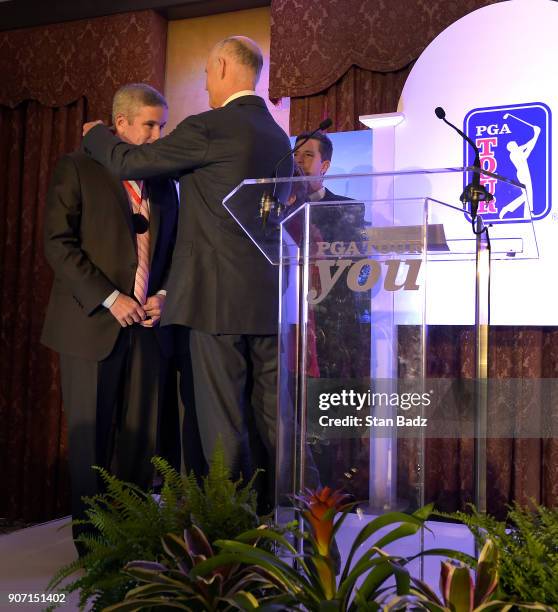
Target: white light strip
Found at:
382, 120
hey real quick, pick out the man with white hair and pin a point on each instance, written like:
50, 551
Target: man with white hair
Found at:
220, 285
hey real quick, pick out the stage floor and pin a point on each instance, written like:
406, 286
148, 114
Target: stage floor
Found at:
28, 560
30, 557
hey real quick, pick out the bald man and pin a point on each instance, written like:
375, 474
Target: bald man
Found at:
220, 286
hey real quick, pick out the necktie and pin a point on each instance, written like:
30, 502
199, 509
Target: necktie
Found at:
140, 205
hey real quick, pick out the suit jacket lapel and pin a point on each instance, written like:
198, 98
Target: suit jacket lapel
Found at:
124, 206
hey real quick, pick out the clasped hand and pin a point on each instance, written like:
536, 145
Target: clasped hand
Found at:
128, 311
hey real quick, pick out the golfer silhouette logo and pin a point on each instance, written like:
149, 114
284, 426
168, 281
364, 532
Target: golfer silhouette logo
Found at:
514, 141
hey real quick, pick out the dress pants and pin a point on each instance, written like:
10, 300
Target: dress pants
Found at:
235, 388
193, 459
114, 409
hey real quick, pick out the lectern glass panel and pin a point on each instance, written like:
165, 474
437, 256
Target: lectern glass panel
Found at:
371, 268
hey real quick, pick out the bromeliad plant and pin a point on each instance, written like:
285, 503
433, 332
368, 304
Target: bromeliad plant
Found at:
313, 586
527, 543
459, 592
318, 508
173, 584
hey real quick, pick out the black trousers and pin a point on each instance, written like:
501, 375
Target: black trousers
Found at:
235, 389
116, 409
193, 459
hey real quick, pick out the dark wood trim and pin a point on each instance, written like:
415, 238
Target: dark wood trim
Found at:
15, 14
212, 7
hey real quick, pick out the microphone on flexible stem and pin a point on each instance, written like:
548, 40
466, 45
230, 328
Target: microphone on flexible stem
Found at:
269, 202
474, 192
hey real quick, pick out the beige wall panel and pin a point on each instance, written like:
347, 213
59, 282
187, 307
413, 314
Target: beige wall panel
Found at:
188, 44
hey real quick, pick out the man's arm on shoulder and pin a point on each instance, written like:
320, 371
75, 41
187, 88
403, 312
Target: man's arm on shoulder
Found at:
62, 241
185, 148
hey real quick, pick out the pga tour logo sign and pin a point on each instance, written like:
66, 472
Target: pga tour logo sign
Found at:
514, 142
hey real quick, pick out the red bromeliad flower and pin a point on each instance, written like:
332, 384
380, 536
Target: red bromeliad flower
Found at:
319, 508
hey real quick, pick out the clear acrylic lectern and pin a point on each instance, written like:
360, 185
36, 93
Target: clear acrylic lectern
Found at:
364, 274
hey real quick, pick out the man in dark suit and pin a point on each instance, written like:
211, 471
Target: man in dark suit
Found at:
220, 285
341, 335
110, 244
339, 331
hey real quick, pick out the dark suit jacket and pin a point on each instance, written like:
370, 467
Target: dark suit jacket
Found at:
219, 281
91, 246
344, 223
329, 196
341, 344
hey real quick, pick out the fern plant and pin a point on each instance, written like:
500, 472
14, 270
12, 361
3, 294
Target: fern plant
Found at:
130, 524
527, 543
221, 506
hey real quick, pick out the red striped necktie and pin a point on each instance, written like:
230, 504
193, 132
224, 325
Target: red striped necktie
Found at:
140, 205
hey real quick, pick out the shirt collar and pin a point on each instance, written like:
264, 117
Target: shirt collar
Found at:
317, 195
239, 94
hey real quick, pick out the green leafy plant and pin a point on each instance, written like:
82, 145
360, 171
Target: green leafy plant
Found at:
527, 544
171, 584
221, 507
130, 524
459, 592
312, 586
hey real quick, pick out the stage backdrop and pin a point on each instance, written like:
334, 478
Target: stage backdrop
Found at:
189, 43
493, 73
352, 154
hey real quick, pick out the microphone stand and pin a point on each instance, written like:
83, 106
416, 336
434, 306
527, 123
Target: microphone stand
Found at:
473, 194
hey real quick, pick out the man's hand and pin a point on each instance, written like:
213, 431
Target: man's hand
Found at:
127, 311
153, 308
89, 125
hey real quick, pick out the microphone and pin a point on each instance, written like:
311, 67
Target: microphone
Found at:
474, 192
268, 201
441, 114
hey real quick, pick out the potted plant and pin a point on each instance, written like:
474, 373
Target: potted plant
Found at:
459, 591
312, 584
174, 584
131, 523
